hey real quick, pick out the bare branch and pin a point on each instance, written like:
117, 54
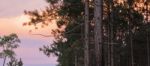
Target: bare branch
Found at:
43, 35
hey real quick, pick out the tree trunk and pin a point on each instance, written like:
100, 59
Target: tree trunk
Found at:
111, 47
108, 46
111, 35
131, 43
130, 36
86, 47
148, 52
148, 61
76, 60
98, 31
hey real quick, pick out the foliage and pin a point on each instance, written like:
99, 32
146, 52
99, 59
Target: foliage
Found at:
8, 44
15, 62
119, 18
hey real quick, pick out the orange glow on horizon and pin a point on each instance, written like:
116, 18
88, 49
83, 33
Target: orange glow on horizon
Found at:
14, 25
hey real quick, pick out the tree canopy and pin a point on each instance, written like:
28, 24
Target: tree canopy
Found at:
8, 44
125, 26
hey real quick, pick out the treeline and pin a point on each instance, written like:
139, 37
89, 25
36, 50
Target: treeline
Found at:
7, 45
97, 32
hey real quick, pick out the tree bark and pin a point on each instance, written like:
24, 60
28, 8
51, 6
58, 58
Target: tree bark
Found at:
76, 60
131, 43
98, 30
108, 46
86, 47
130, 36
111, 35
148, 52
148, 60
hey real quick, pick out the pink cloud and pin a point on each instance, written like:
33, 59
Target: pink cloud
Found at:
11, 8
14, 25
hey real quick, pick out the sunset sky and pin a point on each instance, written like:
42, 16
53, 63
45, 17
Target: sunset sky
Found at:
11, 19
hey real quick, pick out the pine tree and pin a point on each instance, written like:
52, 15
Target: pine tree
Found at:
86, 33
98, 30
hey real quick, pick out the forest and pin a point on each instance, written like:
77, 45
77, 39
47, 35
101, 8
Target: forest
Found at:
96, 32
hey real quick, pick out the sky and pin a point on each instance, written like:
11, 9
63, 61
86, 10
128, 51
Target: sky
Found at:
11, 20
